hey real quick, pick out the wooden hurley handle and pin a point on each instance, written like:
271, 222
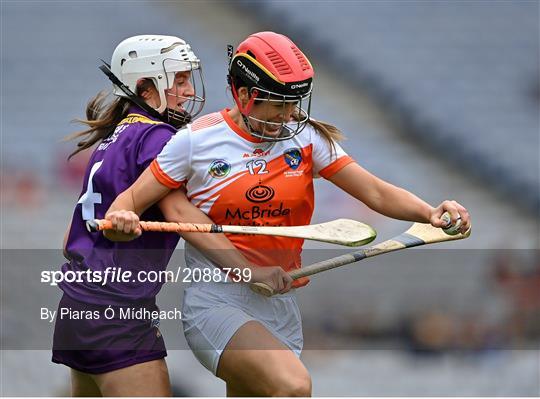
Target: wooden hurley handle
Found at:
167, 227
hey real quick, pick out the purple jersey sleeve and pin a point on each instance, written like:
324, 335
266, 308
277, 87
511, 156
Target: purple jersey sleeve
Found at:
114, 166
151, 145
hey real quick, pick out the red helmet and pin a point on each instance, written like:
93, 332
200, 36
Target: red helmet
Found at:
274, 69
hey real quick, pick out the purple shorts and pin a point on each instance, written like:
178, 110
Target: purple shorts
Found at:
88, 339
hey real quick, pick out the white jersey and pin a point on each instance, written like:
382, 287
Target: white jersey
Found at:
236, 179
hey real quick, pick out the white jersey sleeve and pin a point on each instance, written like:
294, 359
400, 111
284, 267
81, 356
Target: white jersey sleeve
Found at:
327, 159
172, 167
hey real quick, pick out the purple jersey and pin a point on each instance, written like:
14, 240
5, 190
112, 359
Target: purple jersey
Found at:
114, 166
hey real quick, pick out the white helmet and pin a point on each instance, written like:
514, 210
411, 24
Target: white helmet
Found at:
158, 58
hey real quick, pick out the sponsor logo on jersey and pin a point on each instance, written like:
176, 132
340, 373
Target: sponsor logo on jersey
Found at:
294, 173
219, 168
260, 193
293, 157
257, 152
257, 212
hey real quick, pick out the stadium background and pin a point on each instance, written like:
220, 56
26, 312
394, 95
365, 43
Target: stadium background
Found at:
441, 98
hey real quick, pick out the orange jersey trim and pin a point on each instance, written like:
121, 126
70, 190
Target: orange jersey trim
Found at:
204, 201
335, 166
163, 177
237, 129
196, 194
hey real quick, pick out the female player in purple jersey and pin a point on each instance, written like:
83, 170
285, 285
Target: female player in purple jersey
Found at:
158, 86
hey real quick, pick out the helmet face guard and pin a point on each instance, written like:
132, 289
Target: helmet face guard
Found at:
281, 130
190, 106
274, 71
158, 58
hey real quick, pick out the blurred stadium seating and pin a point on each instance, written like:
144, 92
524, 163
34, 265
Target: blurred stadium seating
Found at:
462, 77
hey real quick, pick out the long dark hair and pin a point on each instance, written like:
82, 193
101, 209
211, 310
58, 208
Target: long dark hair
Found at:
102, 117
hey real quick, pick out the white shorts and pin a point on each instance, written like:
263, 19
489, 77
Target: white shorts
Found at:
213, 312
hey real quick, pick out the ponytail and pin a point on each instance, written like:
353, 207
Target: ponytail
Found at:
329, 132
101, 119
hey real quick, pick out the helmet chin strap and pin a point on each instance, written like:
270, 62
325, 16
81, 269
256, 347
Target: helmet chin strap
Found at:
244, 111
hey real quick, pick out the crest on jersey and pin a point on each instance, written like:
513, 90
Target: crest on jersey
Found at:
219, 168
293, 157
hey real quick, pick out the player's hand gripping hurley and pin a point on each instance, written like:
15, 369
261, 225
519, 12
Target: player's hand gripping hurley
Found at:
341, 231
417, 234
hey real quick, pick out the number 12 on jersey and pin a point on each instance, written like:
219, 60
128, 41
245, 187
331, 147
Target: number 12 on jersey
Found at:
257, 167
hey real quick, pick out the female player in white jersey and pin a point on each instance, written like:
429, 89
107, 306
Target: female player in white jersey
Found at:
255, 164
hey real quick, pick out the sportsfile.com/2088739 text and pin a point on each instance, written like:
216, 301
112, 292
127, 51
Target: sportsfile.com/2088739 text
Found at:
120, 275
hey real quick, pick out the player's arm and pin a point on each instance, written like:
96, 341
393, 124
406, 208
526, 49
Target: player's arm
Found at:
392, 201
146, 191
163, 169
176, 207
124, 211
217, 247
